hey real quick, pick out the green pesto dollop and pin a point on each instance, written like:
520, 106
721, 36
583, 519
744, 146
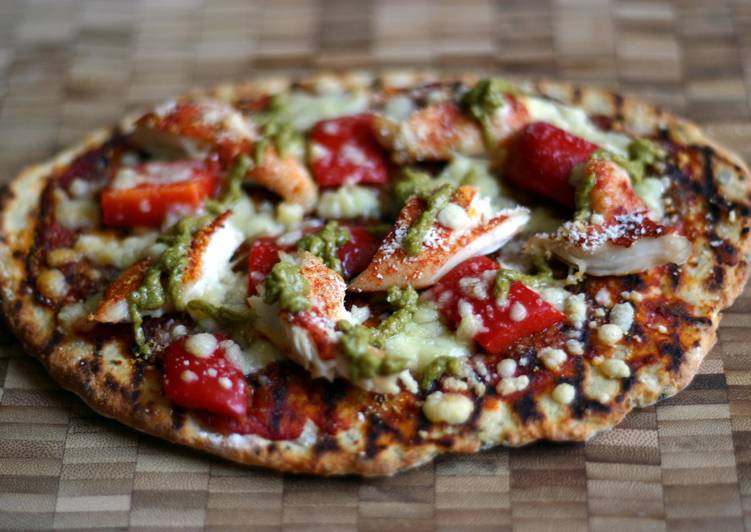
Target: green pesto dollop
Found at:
150, 295
437, 200
646, 151
326, 244
414, 183
482, 102
363, 346
438, 367
286, 286
642, 154
366, 360
506, 276
276, 129
201, 310
233, 187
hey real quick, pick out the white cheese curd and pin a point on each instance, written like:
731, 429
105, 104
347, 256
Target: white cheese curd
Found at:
615, 368
574, 347
622, 315
451, 408
349, 201
609, 333
463, 170
575, 308
225, 383
454, 217
602, 297
564, 393
188, 376
551, 357
75, 213
554, 295
471, 324
52, 284
509, 385
289, 214
518, 312
575, 121
82, 189
507, 367
106, 249
254, 221
201, 345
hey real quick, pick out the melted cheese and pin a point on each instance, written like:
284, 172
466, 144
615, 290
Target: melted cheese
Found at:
424, 339
304, 110
106, 249
349, 201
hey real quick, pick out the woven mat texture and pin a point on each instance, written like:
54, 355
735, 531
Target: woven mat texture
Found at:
67, 66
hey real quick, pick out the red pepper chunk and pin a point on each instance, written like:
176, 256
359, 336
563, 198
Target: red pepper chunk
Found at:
358, 251
264, 253
180, 186
346, 151
473, 282
211, 383
541, 158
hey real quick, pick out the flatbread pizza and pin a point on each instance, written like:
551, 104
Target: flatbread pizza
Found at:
351, 274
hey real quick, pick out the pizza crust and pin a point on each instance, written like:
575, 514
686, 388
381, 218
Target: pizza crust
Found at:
104, 376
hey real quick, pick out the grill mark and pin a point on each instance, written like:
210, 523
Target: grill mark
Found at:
664, 134
674, 274
633, 281
576, 96
715, 281
111, 384
279, 395
326, 444
52, 344
178, 418
678, 310
617, 105
526, 409
674, 352
376, 427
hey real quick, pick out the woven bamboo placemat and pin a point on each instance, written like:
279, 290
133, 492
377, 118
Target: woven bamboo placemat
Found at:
67, 66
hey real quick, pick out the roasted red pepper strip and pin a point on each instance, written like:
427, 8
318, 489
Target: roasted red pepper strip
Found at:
345, 151
164, 187
211, 383
541, 158
473, 282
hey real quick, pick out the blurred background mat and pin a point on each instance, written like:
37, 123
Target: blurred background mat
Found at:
68, 66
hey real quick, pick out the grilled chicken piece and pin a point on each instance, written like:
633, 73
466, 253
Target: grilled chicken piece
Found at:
286, 176
208, 270
439, 130
193, 129
612, 194
475, 232
618, 238
208, 274
114, 305
309, 336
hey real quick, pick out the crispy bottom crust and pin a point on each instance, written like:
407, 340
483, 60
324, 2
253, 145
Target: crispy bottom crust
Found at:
103, 374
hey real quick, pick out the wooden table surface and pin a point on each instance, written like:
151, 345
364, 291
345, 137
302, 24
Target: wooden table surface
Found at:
67, 66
